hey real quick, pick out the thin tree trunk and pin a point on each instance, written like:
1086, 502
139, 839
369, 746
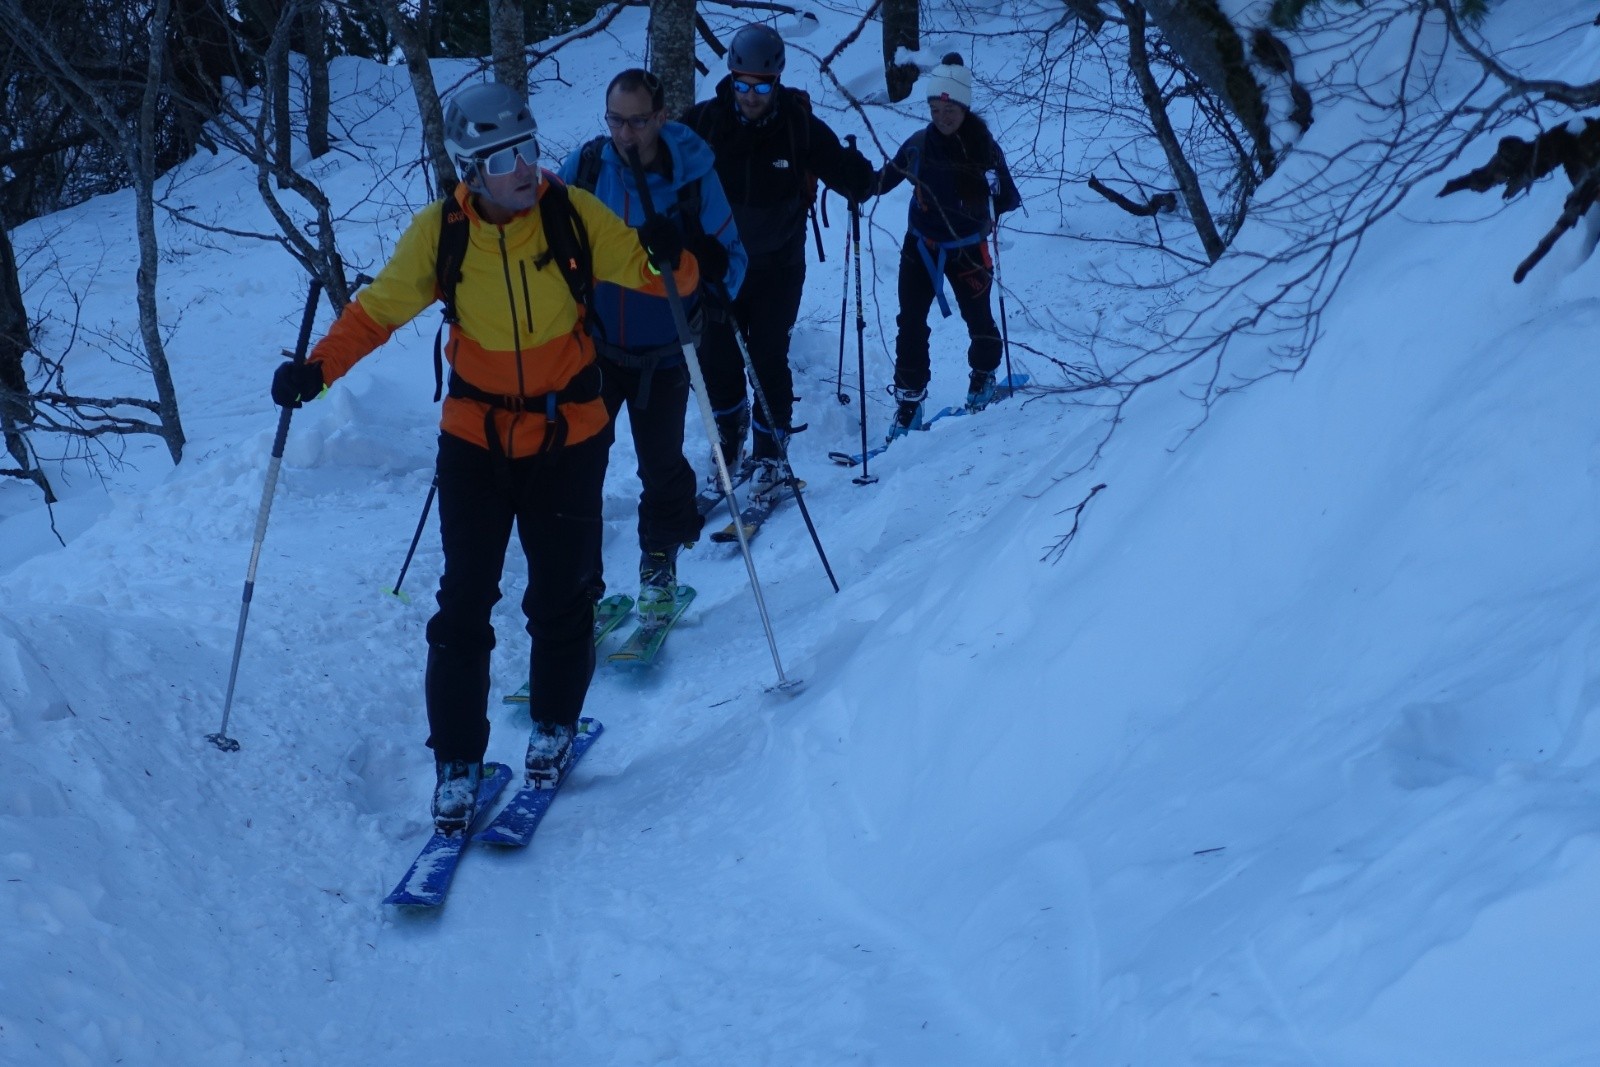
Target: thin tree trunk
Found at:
16, 409
508, 36
1202, 34
415, 49
313, 25
672, 51
138, 151
1188, 182
277, 68
901, 29
142, 166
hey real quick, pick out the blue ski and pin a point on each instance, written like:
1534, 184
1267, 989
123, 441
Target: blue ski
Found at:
1003, 389
426, 883
520, 817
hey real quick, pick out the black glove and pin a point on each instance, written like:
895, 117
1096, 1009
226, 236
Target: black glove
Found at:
662, 241
713, 259
296, 383
868, 191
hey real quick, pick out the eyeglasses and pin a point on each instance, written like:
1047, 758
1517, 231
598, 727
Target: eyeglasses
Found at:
759, 88
504, 160
634, 122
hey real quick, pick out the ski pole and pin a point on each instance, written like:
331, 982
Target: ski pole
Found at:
861, 344
1005, 329
221, 738
783, 451
844, 303
427, 505
698, 379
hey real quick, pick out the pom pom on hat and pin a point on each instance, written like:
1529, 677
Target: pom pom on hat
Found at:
950, 80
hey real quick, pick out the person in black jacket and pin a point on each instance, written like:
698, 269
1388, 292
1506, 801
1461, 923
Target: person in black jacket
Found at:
957, 173
768, 145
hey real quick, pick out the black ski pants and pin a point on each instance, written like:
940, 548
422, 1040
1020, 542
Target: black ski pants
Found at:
764, 313
969, 278
553, 500
667, 512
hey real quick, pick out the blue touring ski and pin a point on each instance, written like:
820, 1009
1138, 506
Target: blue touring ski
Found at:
1004, 388
426, 883
642, 646
517, 821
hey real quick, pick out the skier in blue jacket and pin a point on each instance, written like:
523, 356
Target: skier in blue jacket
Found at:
635, 335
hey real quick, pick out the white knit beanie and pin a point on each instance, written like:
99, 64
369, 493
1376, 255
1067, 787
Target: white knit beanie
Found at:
950, 80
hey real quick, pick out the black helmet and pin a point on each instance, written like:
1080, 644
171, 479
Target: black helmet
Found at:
758, 50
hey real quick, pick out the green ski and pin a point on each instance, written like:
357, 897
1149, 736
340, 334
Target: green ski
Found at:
608, 615
645, 642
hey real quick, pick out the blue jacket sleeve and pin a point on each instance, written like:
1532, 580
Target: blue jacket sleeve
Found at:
716, 219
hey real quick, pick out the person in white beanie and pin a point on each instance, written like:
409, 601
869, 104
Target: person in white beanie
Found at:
960, 185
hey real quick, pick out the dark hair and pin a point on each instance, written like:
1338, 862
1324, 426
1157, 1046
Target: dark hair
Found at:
635, 78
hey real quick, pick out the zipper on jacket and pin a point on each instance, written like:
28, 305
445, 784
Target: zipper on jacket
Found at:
527, 301
511, 302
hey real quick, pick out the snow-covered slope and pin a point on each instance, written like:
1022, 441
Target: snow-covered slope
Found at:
1290, 757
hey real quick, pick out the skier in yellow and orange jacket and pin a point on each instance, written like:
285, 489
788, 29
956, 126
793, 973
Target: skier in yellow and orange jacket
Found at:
521, 439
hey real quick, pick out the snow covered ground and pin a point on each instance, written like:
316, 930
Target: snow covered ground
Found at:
1290, 757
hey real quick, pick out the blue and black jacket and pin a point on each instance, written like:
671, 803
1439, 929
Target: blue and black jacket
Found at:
631, 322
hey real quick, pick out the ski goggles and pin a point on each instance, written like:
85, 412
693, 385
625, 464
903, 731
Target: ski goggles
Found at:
759, 88
504, 160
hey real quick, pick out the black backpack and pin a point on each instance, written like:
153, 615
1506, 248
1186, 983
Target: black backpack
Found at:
569, 248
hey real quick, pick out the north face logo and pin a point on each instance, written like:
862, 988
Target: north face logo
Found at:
780, 164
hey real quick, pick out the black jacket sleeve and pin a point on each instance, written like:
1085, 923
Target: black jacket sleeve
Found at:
1006, 197
843, 169
895, 171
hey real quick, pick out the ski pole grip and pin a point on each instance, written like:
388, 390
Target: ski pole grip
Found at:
300, 346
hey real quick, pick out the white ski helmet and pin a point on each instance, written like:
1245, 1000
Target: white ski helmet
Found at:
484, 121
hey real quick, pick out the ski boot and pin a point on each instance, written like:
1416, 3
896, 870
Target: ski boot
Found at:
549, 751
980, 391
455, 794
658, 584
769, 476
908, 415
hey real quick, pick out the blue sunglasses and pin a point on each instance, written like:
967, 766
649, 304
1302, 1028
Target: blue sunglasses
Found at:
759, 88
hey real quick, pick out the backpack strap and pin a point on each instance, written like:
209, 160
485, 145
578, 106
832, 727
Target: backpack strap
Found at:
568, 244
453, 234
588, 175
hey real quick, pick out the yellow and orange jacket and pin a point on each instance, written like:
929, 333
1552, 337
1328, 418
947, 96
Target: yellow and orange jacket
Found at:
524, 337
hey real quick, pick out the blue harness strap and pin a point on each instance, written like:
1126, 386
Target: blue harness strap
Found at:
936, 265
